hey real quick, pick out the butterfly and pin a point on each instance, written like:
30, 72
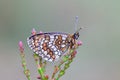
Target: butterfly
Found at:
52, 45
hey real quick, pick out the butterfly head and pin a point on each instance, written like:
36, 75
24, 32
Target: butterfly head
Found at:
76, 34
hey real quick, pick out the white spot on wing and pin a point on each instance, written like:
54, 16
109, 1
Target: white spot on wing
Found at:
62, 45
31, 47
46, 58
59, 53
42, 50
50, 42
46, 41
56, 37
56, 52
41, 42
50, 45
37, 52
64, 35
42, 55
56, 56
53, 47
50, 60
52, 39
45, 52
64, 38
52, 36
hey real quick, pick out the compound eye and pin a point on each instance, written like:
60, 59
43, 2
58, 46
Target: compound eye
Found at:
76, 36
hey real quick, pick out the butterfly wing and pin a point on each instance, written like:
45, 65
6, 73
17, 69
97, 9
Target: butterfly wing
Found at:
50, 46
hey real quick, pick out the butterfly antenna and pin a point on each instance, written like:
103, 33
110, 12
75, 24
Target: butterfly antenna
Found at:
78, 30
76, 22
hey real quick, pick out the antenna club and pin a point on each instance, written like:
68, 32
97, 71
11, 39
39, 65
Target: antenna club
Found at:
76, 17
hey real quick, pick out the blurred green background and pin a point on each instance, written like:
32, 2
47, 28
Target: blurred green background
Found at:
97, 59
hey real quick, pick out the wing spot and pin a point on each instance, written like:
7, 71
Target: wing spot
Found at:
44, 48
63, 45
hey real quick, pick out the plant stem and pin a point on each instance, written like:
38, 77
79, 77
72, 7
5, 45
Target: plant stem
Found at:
40, 66
26, 71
